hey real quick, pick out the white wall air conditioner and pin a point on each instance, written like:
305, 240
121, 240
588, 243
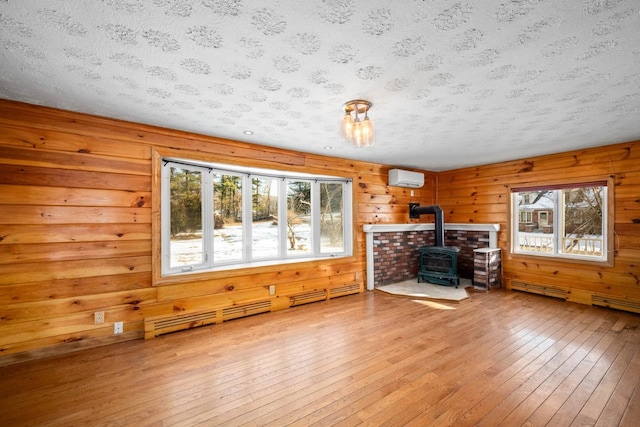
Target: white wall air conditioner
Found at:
402, 178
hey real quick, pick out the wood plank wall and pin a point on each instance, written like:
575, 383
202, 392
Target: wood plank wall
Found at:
481, 194
76, 225
76, 230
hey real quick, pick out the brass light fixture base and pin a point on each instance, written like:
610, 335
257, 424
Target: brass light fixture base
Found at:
362, 106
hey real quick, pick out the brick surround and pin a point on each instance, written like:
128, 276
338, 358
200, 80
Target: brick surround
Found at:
396, 253
467, 241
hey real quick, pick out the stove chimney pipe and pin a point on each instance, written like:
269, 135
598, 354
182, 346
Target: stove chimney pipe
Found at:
415, 210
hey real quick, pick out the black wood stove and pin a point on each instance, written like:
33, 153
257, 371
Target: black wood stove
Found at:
439, 263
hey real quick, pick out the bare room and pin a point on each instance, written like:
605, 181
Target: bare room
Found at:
313, 213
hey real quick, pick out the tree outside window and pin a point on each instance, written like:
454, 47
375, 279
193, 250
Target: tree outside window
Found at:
213, 216
569, 220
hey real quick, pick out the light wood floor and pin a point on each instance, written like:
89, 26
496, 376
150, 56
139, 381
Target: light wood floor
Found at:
502, 358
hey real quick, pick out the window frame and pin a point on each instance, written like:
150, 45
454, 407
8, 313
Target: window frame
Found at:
607, 258
163, 273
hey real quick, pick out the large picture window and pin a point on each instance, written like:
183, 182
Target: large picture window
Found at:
567, 221
220, 215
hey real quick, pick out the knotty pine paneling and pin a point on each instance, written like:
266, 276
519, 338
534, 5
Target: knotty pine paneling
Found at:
58, 196
65, 141
74, 161
76, 224
43, 252
481, 194
74, 287
53, 270
76, 214
46, 214
49, 177
287, 274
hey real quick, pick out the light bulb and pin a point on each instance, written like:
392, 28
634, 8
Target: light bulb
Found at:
347, 127
357, 133
367, 132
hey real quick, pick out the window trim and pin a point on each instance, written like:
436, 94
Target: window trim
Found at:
257, 266
608, 223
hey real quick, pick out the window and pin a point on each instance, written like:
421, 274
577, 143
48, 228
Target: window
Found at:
221, 215
568, 221
526, 217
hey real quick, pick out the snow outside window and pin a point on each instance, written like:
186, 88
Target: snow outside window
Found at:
569, 221
220, 215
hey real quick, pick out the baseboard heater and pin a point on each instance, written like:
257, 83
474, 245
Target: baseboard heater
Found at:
155, 326
539, 289
617, 303
243, 310
313, 296
159, 325
307, 297
353, 288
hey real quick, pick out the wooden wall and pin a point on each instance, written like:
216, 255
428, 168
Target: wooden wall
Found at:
77, 208
76, 235
481, 194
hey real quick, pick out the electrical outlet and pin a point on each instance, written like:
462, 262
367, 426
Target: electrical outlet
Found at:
98, 317
118, 328
272, 289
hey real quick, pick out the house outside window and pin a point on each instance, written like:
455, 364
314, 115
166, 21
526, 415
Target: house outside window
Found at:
221, 215
566, 221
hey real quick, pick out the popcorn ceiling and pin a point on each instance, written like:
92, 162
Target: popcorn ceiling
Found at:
453, 83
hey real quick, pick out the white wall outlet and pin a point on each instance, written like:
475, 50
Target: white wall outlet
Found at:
98, 317
272, 289
118, 328
411, 193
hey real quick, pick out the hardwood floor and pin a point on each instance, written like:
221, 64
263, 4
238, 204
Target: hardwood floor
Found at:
498, 358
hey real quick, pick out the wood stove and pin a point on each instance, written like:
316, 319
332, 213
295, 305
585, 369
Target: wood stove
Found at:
439, 264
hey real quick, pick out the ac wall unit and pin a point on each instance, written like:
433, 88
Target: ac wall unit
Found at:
402, 178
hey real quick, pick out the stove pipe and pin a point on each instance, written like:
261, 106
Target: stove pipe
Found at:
415, 210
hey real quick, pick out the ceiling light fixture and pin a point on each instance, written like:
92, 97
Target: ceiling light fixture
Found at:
358, 132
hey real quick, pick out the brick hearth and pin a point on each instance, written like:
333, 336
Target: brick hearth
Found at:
395, 253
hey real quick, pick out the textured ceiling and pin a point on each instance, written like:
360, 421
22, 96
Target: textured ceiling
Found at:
453, 83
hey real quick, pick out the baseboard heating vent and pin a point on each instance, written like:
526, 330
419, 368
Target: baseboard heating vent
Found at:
353, 288
243, 310
307, 297
539, 289
154, 326
617, 303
